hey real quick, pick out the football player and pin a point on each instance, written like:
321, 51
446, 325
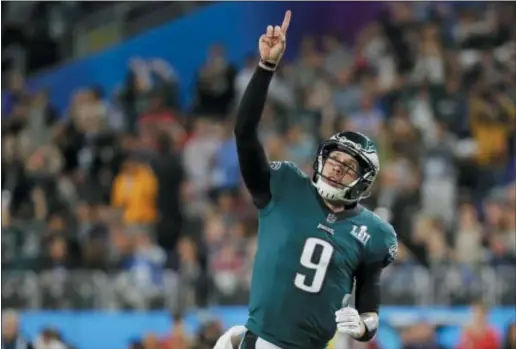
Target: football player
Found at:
315, 240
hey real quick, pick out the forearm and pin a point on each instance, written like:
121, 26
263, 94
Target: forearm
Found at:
252, 104
368, 299
251, 154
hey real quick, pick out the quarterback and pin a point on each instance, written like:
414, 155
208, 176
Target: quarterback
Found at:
315, 240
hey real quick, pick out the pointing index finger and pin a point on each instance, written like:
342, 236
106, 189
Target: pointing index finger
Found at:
286, 22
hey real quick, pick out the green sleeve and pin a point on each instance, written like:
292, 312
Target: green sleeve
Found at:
385, 249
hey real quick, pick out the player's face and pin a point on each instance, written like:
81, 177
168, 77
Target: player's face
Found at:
340, 169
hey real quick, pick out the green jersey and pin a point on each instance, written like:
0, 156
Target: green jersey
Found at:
306, 261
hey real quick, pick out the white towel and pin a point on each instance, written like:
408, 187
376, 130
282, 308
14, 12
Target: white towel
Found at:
224, 342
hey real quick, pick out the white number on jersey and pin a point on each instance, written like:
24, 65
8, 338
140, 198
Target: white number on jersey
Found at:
320, 267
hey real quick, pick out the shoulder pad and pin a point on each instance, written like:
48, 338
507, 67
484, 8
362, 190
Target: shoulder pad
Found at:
385, 241
286, 166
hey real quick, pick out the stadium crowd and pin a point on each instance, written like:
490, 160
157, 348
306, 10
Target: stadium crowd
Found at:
128, 183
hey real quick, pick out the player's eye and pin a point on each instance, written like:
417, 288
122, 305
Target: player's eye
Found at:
351, 166
351, 169
334, 161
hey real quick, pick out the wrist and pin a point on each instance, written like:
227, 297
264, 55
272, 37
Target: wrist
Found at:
368, 327
267, 65
363, 330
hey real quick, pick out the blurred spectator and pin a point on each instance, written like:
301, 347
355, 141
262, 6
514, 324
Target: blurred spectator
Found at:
491, 112
141, 285
198, 155
59, 257
368, 120
134, 92
169, 172
136, 344
156, 119
439, 190
149, 96
11, 338
449, 105
300, 145
215, 85
177, 339
337, 55
225, 172
150, 341
244, 75
207, 335
420, 336
510, 338
500, 228
89, 113
308, 63
479, 334
134, 193
165, 82
192, 278
41, 118
429, 64
92, 235
280, 89
49, 339
468, 241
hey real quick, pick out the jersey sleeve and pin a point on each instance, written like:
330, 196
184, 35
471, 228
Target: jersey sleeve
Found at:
390, 247
385, 249
382, 252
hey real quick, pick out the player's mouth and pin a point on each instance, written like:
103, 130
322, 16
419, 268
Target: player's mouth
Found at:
334, 182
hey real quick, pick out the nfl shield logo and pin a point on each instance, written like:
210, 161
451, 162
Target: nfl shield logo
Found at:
331, 218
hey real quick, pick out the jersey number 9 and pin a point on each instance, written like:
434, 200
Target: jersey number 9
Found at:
319, 267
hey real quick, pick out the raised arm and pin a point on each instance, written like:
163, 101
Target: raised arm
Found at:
251, 155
